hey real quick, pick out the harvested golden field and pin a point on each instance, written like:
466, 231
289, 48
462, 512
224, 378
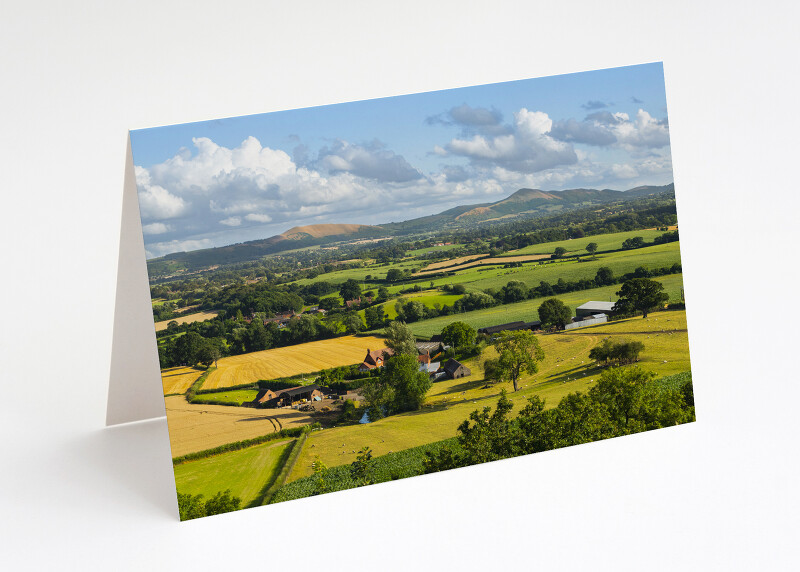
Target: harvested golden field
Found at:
451, 262
291, 360
472, 262
188, 319
179, 379
195, 428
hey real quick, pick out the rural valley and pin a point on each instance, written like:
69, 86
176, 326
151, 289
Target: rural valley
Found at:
340, 355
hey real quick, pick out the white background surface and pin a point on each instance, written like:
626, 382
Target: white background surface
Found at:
719, 494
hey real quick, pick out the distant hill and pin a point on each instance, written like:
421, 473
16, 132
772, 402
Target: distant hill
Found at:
295, 237
320, 230
524, 203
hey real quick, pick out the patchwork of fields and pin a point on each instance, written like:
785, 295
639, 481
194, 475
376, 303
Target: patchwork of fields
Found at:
527, 310
291, 360
565, 369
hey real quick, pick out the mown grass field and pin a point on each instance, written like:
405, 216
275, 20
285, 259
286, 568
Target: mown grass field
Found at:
195, 428
565, 369
443, 248
179, 379
428, 298
527, 310
237, 396
187, 319
578, 245
291, 360
662, 255
244, 472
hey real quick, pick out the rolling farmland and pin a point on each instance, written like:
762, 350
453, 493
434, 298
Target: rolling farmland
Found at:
528, 309
291, 360
565, 369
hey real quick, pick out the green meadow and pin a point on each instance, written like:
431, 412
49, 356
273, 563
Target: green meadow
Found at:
611, 241
244, 472
237, 396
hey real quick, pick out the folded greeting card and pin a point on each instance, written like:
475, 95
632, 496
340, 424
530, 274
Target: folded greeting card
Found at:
355, 293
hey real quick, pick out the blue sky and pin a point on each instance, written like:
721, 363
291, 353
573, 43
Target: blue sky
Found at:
229, 180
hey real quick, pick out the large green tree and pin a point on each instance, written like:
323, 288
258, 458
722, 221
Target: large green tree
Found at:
591, 248
518, 352
375, 316
409, 383
458, 335
350, 289
640, 294
553, 312
400, 339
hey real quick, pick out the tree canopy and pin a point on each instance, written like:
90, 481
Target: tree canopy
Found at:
640, 294
458, 334
400, 339
518, 352
553, 312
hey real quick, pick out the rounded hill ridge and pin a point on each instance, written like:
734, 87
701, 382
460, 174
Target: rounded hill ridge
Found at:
320, 230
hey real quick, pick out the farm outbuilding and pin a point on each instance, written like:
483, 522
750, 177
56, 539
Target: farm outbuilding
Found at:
295, 394
455, 369
594, 307
264, 395
511, 327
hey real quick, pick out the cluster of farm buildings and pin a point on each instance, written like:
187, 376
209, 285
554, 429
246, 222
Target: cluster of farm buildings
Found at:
592, 312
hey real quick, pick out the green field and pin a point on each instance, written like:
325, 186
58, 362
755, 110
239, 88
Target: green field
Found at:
663, 255
237, 396
244, 472
578, 245
565, 369
444, 248
527, 310
428, 299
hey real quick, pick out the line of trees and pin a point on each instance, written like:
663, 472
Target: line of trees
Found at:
622, 402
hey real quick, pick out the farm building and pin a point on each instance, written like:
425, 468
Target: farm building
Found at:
433, 347
589, 320
295, 394
374, 359
455, 369
430, 367
511, 326
594, 307
264, 395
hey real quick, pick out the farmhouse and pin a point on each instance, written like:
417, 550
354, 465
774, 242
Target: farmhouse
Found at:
511, 326
374, 359
455, 369
594, 307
